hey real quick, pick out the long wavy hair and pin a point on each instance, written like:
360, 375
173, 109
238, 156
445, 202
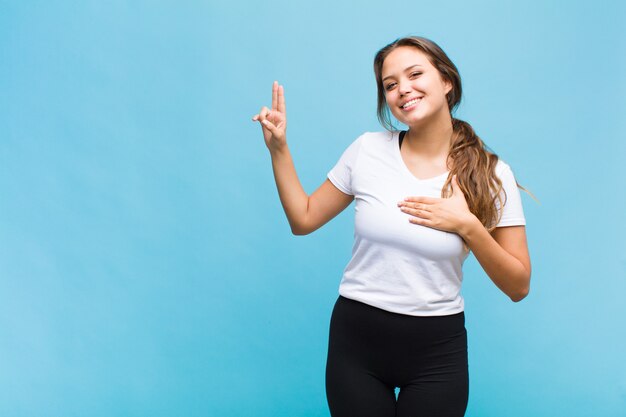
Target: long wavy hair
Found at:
469, 158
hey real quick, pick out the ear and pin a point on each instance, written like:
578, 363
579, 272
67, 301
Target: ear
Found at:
447, 86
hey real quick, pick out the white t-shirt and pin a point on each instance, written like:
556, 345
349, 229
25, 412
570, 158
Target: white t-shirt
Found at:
396, 265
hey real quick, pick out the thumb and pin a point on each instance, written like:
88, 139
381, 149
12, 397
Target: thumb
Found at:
270, 126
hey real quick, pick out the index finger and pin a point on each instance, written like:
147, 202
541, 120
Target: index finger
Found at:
275, 95
281, 99
421, 199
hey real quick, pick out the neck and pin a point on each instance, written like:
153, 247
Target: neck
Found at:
431, 140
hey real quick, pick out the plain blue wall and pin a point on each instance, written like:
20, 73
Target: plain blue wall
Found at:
146, 268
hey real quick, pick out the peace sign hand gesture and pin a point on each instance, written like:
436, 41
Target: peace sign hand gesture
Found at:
274, 121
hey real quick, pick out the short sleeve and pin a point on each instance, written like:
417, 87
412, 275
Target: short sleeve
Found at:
512, 212
341, 174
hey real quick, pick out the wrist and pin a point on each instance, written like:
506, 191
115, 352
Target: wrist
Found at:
278, 149
469, 227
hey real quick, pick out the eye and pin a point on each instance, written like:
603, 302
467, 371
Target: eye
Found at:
390, 86
416, 74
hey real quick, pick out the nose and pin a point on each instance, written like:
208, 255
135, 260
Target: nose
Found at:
404, 87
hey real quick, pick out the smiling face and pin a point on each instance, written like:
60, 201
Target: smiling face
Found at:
414, 90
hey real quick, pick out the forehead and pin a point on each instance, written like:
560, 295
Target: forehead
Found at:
404, 57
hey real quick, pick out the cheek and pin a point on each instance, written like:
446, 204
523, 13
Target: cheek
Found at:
390, 99
392, 104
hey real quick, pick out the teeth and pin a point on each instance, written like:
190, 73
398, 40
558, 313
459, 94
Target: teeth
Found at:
410, 103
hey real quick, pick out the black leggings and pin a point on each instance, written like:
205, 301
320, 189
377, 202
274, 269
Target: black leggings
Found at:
372, 351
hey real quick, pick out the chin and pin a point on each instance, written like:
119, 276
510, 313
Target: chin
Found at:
413, 121
416, 116
419, 118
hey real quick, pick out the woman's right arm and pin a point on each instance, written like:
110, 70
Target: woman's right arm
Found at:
305, 213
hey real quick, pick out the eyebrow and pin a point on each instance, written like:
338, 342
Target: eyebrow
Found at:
406, 69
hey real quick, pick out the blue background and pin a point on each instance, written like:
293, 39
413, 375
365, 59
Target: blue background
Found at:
147, 269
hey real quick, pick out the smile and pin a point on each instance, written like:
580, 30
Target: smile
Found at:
411, 103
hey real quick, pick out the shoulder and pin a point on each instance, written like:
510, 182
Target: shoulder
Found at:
373, 141
376, 139
502, 166
380, 137
503, 169
512, 212
505, 174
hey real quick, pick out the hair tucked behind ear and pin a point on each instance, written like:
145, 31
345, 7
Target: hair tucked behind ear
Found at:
469, 159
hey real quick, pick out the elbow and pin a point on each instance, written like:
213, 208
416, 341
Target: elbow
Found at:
299, 232
520, 294
303, 227
299, 229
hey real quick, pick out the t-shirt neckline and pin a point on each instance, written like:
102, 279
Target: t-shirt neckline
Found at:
405, 168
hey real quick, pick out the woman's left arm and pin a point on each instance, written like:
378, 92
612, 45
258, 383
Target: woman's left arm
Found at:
503, 253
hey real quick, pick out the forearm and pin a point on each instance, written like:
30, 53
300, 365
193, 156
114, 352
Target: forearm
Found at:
292, 196
505, 270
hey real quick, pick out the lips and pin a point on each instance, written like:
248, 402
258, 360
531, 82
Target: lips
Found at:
411, 103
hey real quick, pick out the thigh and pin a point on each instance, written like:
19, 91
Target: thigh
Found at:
351, 392
441, 399
441, 390
353, 387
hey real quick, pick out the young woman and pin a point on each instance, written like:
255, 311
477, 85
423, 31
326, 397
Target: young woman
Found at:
425, 197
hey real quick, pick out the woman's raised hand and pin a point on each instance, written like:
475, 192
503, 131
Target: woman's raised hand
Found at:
274, 121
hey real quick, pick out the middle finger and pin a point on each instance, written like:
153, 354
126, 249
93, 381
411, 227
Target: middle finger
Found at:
275, 95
